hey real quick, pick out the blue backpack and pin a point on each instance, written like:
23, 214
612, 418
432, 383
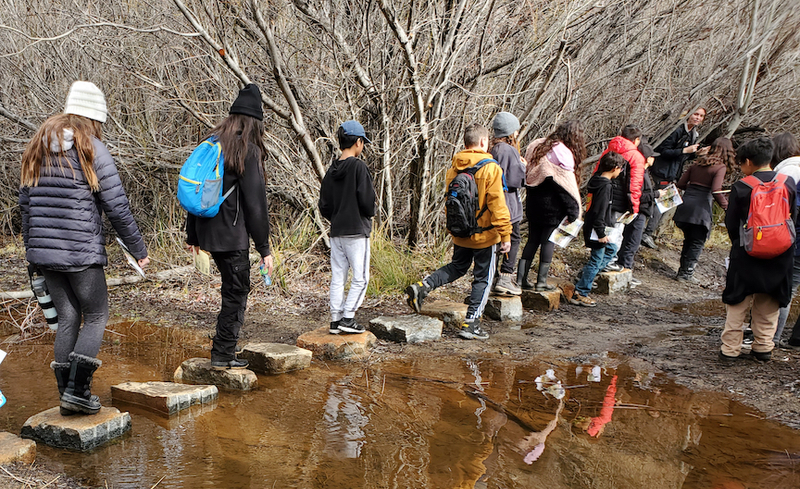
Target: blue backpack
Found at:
200, 182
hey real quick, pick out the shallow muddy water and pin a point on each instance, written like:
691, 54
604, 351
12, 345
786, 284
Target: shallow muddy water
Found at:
437, 422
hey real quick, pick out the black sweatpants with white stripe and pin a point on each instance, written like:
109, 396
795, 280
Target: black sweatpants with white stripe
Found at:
485, 263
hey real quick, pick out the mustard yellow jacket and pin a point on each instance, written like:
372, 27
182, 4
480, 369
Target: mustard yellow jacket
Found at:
489, 180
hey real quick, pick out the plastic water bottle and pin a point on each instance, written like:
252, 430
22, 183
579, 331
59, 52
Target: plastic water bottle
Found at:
265, 275
39, 288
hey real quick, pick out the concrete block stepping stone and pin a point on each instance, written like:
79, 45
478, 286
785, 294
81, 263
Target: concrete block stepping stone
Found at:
77, 432
541, 301
336, 346
452, 314
163, 397
504, 308
411, 329
199, 371
613, 282
276, 358
15, 449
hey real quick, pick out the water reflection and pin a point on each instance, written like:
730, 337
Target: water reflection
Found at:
429, 422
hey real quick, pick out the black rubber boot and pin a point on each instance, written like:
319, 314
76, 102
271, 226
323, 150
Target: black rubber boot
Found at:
78, 394
62, 379
541, 280
523, 268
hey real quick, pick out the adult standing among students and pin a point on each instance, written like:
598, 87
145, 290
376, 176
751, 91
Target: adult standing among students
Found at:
553, 173
786, 161
674, 151
68, 180
701, 183
243, 215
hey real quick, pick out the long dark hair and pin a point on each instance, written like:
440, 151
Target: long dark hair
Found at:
234, 133
570, 134
37, 152
785, 147
720, 152
509, 140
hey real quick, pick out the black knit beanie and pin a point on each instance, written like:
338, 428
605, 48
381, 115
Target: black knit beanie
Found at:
248, 102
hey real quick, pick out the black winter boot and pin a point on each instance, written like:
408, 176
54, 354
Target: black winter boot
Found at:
541, 280
77, 395
523, 268
62, 379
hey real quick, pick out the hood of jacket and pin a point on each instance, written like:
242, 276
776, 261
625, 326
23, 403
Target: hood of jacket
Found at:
469, 157
66, 143
340, 168
595, 183
621, 145
790, 167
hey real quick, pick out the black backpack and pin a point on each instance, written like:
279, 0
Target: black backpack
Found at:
461, 203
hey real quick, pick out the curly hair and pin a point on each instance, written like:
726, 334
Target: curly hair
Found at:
721, 152
570, 134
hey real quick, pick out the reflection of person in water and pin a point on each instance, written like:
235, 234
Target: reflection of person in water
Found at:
595, 426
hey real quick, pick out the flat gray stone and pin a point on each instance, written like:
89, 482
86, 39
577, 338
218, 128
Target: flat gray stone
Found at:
163, 397
613, 282
410, 328
15, 449
276, 358
200, 371
452, 314
504, 308
76, 432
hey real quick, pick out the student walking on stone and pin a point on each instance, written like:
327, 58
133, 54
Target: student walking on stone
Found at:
553, 183
756, 285
481, 247
681, 145
68, 180
347, 200
701, 183
243, 215
599, 217
504, 148
786, 161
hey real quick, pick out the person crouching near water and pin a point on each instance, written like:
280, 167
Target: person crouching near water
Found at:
599, 216
759, 286
243, 215
68, 180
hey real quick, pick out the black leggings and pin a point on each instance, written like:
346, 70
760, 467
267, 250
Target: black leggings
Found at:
78, 296
539, 235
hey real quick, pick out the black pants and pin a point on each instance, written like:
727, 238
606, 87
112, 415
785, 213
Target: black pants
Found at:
78, 296
234, 267
631, 239
655, 218
510, 258
694, 239
462, 259
539, 235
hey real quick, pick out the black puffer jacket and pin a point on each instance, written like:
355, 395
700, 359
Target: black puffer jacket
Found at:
669, 165
62, 218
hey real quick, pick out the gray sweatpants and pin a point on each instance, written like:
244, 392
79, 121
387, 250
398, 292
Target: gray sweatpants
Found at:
348, 253
78, 295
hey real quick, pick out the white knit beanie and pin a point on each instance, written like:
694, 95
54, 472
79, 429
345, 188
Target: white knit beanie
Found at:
87, 100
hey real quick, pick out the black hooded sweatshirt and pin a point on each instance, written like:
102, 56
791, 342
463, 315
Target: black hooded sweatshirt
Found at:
598, 216
347, 198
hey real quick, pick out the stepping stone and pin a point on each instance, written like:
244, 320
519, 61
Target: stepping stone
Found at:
549, 300
411, 328
199, 371
336, 346
76, 432
452, 314
613, 282
15, 449
504, 308
163, 397
276, 358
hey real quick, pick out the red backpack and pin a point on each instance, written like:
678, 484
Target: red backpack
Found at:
769, 230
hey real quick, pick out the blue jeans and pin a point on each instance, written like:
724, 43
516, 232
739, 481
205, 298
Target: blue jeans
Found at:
598, 260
